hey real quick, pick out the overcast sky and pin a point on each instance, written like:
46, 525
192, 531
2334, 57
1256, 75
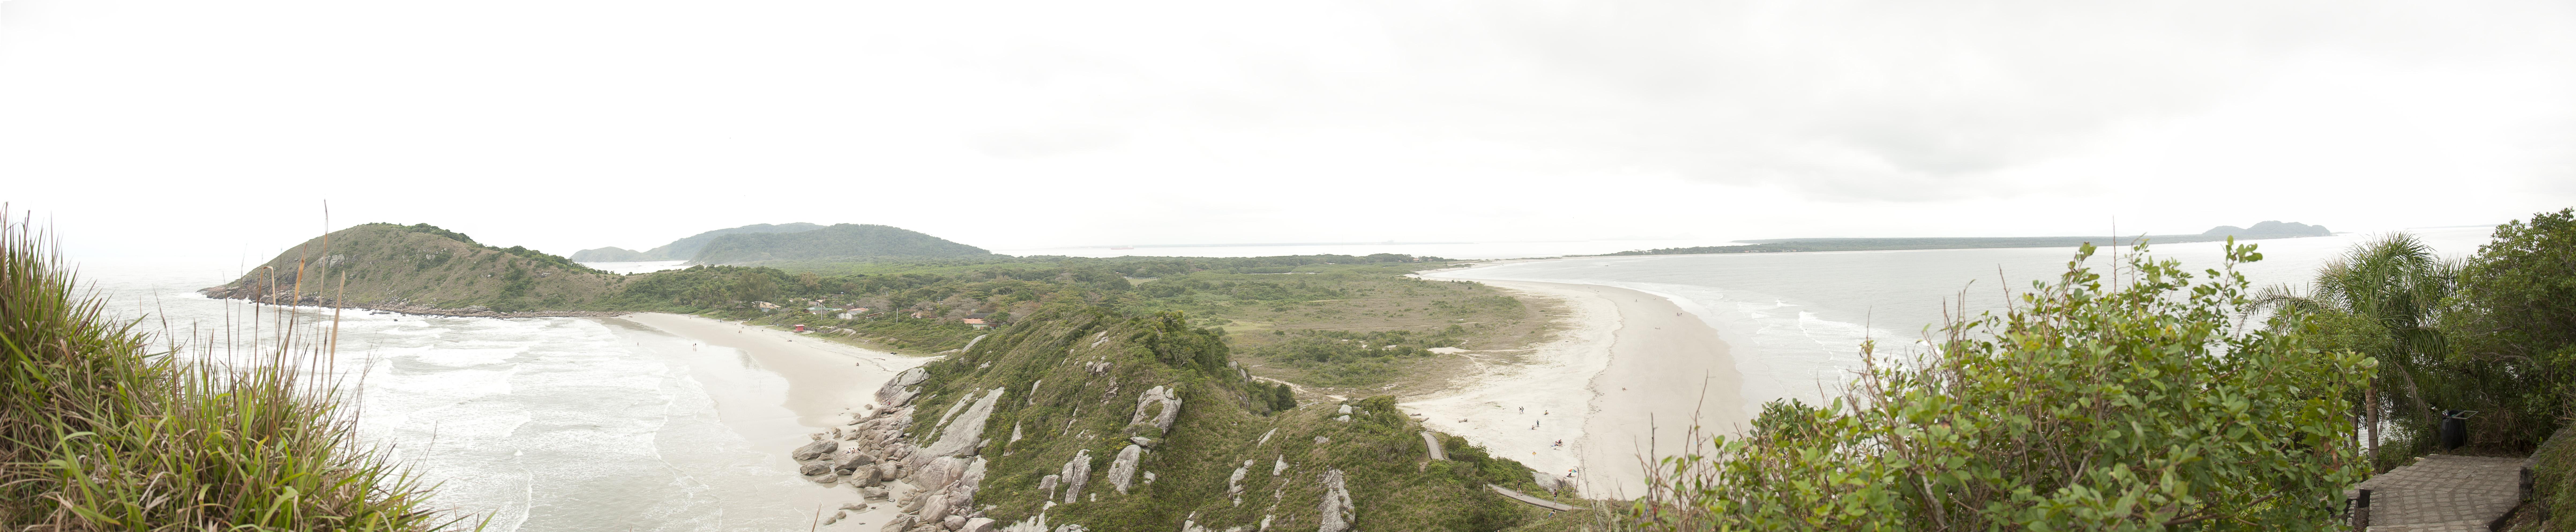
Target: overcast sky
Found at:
219, 127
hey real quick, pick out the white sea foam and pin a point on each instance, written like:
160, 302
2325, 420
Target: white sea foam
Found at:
540, 424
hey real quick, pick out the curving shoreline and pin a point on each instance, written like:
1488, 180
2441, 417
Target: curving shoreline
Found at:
1623, 383
826, 382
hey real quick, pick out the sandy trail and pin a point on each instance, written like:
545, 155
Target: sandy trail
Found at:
1623, 384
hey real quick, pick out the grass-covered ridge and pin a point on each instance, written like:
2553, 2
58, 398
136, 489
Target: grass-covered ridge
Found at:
1072, 376
102, 428
420, 266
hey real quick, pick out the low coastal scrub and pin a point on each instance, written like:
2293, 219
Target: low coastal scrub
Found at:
1074, 390
2093, 404
1349, 359
102, 430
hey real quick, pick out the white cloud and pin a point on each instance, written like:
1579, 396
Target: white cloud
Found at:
576, 124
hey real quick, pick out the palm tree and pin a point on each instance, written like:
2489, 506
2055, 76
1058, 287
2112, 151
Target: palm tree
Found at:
2392, 287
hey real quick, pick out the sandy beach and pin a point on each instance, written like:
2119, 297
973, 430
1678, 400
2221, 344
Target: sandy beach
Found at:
1623, 383
824, 380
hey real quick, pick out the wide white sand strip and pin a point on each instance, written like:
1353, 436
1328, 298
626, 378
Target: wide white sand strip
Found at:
824, 378
1624, 384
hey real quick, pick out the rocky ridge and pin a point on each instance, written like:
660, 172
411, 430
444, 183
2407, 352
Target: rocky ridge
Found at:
1124, 423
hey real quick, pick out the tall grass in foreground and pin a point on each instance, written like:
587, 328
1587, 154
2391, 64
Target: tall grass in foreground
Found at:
101, 430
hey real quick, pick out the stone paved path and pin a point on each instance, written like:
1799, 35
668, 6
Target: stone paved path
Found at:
2444, 493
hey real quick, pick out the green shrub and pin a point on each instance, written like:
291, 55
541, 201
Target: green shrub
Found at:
2087, 407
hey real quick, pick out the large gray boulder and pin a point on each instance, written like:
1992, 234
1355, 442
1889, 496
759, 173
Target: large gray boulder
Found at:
939, 473
1122, 472
1336, 507
962, 436
1076, 473
853, 459
1170, 399
895, 392
811, 450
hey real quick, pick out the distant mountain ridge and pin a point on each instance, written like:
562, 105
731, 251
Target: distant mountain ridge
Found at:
684, 248
2269, 229
840, 240
2266, 229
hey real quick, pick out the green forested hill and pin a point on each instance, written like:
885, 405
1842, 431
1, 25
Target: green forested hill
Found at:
684, 248
841, 240
420, 268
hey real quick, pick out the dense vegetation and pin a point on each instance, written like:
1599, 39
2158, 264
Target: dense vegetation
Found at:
537, 258
686, 247
2175, 411
2088, 406
1280, 309
838, 240
102, 429
419, 266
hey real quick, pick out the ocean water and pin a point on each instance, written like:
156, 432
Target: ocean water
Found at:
1452, 250
1794, 322
537, 424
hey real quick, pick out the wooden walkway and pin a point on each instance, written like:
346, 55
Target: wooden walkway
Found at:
1533, 501
2445, 493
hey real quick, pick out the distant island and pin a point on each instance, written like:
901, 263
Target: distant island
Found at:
2264, 230
793, 241
851, 241
685, 248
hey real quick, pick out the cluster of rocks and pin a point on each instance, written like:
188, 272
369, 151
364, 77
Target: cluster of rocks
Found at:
931, 477
932, 486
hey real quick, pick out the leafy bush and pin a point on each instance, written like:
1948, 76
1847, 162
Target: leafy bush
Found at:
2135, 407
2511, 323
